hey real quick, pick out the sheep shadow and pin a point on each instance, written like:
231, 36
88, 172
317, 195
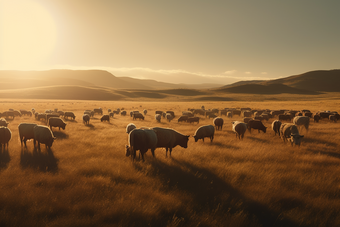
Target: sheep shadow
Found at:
60, 135
210, 192
4, 158
91, 126
228, 146
41, 161
255, 139
319, 141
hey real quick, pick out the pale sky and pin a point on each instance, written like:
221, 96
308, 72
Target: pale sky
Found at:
179, 41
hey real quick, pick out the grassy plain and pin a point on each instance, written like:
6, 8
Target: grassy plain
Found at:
86, 180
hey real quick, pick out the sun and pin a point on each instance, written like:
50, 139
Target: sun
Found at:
28, 34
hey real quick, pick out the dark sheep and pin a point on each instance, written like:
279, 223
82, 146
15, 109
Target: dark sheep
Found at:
218, 122
105, 117
26, 132
256, 124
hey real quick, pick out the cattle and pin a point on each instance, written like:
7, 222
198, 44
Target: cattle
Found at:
308, 114
98, 111
276, 126
138, 116
218, 122
145, 112
56, 122
247, 119
170, 138
69, 114
86, 119
316, 118
105, 117
229, 114
123, 113
301, 121
3, 122
324, 114
204, 131
239, 128
5, 136
332, 118
43, 134
142, 140
290, 132
130, 127
187, 113
284, 117
182, 118
169, 116
158, 118
171, 112
26, 132
256, 124
247, 114
193, 119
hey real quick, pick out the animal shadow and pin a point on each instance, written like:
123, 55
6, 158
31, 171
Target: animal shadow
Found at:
4, 158
91, 126
60, 135
41, 161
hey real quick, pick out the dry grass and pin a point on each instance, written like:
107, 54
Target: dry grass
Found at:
86, 180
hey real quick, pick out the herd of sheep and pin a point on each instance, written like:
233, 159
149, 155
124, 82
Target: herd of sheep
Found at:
286, 124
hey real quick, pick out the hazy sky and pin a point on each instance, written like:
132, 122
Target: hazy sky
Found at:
175, 41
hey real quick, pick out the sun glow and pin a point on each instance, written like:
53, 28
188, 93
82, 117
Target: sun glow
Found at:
27, 34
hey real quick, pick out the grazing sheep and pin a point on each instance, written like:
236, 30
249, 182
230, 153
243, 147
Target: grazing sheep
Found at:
25, 112
223, 112
145, 112
26, 132
56, 122
5, 136
105, 117
182, 118
142, 140
237, 112
69, 114
158, 118
239, 128
171, 112
130, 127
229, 114
89, 112
169, 117
204, 131
316, 118
123, 113
39, 116
109, 110
8, 113
33, 110
193, 119
196, 111
43, 134
86, 119
308, 114
290, 132
212, 116
301, 121
3, 122
138, 115
247, 119
332, 118
187, 113
112, 114
276, 126
159, 112
218, 122
256, 124
170, 138
98, 111
284, 117
247, 114
61, 113
48, 116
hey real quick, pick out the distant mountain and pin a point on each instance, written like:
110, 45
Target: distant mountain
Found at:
242, 82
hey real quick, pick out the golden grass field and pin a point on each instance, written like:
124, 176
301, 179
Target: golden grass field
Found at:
86, 179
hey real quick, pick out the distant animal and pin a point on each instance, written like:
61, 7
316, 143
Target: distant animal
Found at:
138, 116
197, 111
223, 112
133, 112
301, 121
212, 116
8, 113
324, 114
239, 128
187, 113
26, 132
56, 122
105, 117
158, 117
229, 114
247, 119
3, 122
43, 134
204, 131
130, 127
171, 112
169, 117
247, 114
33, 110
142, 140
25, 112
89, 112
193, 119
308, 114
218, 122
256, 124
111, 114
332, 118
145, 111
159, 112
48, 116
109, 110
98, 111
69, 115
86, 119
170, 138
316, 118
284, 117
123, 113
290, 132
61, 113
276, 126
5, 136
237, 112
182, 118
39, 116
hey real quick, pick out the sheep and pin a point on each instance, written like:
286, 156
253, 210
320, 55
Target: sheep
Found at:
112, 114
69, 114
158, 118
316, 118
276, 126
332, 118
247, 119
5, 136
218, 122
187, 113
56, 122
169, 117
256, 124
204, 131
43, 134
182, 118
142, 140
3, 122
239, 128
86, 119
138, 115
123, 113
290, 132
229, 114
26, 132
98, 111
301, 121
130, 127
193, 119
145, 111
171, 112
105, 117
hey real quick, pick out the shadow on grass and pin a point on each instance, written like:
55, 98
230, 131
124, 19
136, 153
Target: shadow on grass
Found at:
42, 161
4, 158
319, 141
91, 126
227, 146
255, 139
60, 135
211, 193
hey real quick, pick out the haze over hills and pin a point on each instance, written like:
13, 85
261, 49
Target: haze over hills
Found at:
102, 85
